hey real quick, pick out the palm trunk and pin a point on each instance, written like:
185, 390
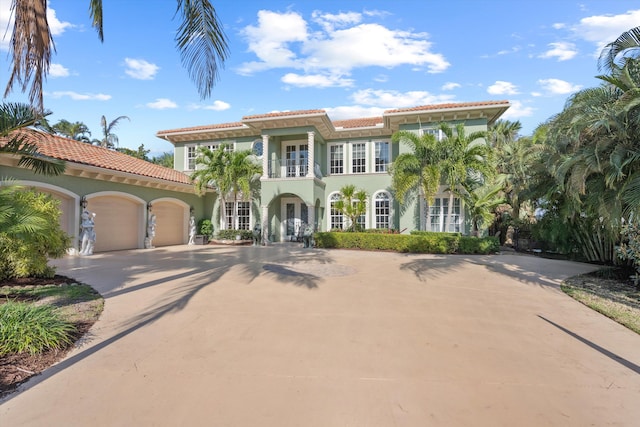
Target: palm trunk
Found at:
449, 216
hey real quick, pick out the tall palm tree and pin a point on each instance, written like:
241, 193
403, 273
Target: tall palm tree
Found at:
77, 130
464, 160
417, 171
481, 203
109, 139
200, 39
17, 125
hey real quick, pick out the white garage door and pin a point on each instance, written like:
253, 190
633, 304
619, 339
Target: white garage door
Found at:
67, 205
171, 224
117, 223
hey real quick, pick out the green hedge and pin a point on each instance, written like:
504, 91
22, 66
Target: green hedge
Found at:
231, 234
421, 242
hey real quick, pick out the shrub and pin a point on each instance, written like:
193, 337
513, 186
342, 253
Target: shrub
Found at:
30, 233
231, 234
630, 248
29, 328
422, 242
206, 227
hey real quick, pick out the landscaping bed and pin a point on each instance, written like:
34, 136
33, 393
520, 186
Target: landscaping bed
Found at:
75, 303
609, 291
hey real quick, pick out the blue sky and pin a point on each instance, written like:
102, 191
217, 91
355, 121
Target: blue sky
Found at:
351, 58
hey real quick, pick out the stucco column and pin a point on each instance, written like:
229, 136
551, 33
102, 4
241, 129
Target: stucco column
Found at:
311, 157
265, 156
265, 225
311, 216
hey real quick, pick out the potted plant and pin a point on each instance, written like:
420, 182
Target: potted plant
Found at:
205, 228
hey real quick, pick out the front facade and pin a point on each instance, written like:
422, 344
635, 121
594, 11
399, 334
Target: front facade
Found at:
307, 158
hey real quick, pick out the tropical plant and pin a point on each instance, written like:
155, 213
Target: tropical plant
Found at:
464, 161
164, 159
629, 249
481, 203
231, 173
200, 40
109, 139
17, 123
417, 171
615, 53
77, 130
29, 328
352, 205
30, 233
140, 153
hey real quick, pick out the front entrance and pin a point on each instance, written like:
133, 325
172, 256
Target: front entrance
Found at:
295, 213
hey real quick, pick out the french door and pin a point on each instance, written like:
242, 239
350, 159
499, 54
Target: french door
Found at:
296, 156
294, 214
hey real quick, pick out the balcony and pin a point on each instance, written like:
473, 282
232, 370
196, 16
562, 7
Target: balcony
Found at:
288, 168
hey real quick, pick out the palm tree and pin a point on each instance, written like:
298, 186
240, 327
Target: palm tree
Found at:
417, 171
77, 130
109, 139
481, 203
200, 39
353, 204
625, 46
17, 123
229, 172
464, 161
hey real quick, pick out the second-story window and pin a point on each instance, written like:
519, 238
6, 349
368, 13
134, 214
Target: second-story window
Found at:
359, 158
191, 157
336, 154
382, 159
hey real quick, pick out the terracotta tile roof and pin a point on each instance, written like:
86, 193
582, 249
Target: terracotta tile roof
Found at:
358, 123
446, 106
283, 114
205, 128
87, 154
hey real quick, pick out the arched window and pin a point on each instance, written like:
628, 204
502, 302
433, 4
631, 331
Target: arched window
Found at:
382, 208
336, 221
257, 147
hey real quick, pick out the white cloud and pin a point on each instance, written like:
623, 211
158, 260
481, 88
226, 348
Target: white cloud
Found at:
561, 50
517, 110
284, 40
502, 88
162, 104
603, 29
56, 26
216, 106
316, 80
394, 99
57, 70
559, 25
557, 86
450, 86
140, 69
330, 21
80, 96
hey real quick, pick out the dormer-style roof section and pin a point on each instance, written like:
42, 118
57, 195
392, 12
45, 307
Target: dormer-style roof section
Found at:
391, 120
90, 161
490, 110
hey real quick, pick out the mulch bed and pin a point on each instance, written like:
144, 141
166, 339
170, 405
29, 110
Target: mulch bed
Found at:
18, 368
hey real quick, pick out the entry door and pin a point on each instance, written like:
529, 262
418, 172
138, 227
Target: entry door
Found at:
295, 214
296, 156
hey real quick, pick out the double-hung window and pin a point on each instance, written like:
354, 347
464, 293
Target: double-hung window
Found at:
191, 157
242, 210
382, 158
336, 159
359, 157
440, 213
382, 208
336, 219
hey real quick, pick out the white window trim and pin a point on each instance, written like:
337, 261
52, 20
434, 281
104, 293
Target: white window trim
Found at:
367, 155
329, 219
373, 208
344, 158
223, 217
373, 155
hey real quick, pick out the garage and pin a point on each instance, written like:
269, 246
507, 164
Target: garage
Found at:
171, 223
118, 222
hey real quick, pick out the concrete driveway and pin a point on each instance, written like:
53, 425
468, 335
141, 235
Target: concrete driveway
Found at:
282, 336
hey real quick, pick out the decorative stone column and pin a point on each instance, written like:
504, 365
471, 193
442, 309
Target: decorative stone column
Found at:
265, 225
265, 156
311, 216
311, 158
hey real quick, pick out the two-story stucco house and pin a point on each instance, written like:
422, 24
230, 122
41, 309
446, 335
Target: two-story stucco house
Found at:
307, 158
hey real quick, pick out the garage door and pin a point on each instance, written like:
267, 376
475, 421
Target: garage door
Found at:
117, 223
67, 205
171, 224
